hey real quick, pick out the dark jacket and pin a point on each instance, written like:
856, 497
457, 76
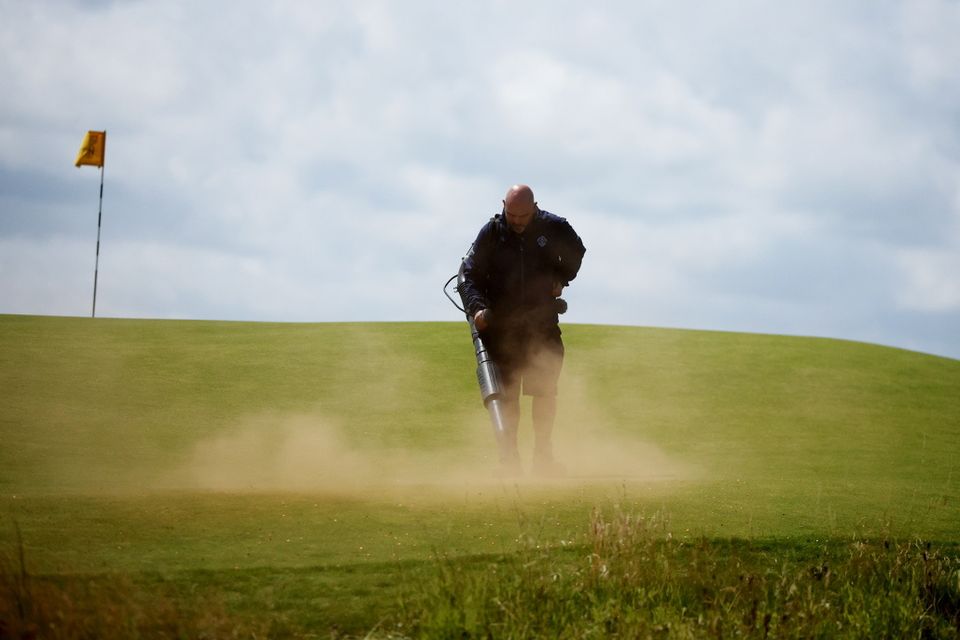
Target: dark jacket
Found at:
513, 274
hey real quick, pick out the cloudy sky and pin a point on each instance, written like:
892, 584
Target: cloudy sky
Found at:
750, 166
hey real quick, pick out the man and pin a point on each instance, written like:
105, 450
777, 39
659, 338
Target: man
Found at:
520, 263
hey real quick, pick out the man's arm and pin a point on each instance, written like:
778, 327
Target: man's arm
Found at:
475, 271
569, 254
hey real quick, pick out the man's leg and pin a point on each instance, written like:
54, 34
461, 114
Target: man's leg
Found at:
545, 371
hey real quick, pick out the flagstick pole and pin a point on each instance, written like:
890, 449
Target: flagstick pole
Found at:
96, 266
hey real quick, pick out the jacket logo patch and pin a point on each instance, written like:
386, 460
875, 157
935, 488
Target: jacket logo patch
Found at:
542, 241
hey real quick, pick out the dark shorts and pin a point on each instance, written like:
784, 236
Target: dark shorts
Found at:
529, 363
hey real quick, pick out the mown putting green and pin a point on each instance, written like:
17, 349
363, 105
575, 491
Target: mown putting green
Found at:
246, 453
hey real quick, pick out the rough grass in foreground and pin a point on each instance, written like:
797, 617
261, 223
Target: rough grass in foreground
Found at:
632, 579
114, 606
627, 576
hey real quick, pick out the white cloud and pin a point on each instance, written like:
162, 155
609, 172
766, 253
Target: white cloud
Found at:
53, 275
654, 115
751, 166
931, 280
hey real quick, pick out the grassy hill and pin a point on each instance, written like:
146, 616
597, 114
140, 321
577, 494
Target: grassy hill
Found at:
168, 448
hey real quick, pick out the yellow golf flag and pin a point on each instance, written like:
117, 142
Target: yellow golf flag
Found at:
93, 148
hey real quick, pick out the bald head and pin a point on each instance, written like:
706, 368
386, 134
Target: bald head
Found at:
519, 207
519, 194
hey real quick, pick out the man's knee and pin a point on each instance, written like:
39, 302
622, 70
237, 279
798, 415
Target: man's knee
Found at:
542, 372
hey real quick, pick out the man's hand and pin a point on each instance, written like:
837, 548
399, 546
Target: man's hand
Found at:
557, 289
480, 320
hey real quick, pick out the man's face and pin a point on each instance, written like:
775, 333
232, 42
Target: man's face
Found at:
519, 214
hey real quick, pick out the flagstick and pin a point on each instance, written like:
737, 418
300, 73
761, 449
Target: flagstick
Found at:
96, 266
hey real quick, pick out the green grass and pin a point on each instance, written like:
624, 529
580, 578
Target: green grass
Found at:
632, 579
320, 468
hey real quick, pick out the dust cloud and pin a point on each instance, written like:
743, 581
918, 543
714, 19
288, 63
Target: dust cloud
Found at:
307, 453
594, 446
